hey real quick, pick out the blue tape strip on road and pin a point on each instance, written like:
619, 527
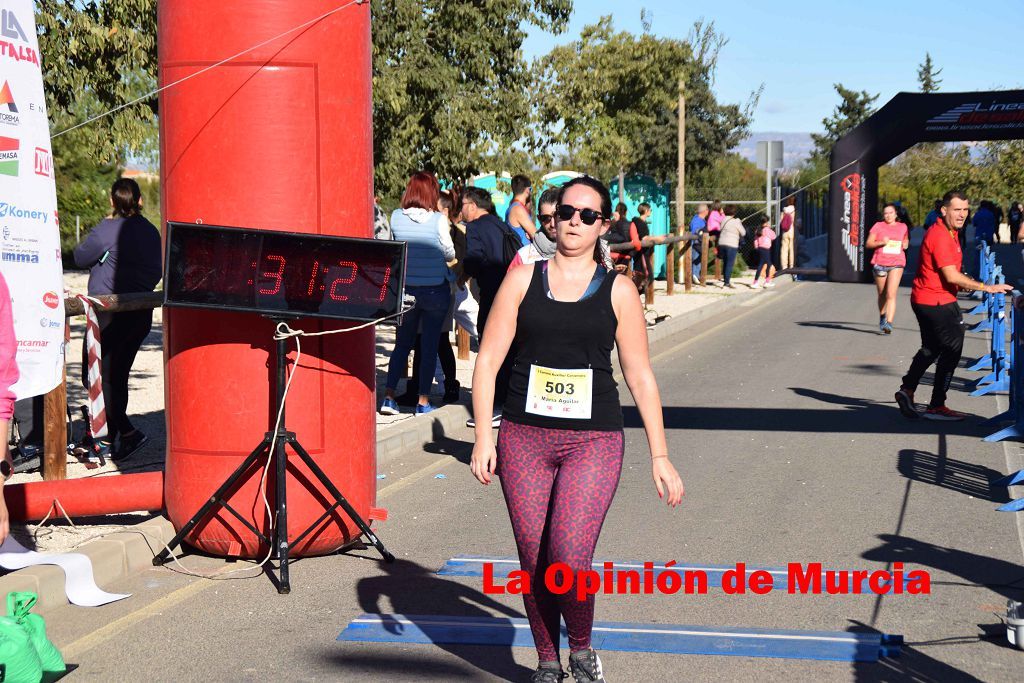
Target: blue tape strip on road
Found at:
837, 646
473, 565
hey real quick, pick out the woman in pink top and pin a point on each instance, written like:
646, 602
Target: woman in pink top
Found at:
8, 376
763, 239
890, 240
715, 219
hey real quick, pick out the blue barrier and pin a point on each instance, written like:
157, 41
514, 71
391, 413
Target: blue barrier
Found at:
1016, 377
989, 303
999, 378
986, 262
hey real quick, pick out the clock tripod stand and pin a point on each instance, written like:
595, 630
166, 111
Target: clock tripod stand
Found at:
273, 446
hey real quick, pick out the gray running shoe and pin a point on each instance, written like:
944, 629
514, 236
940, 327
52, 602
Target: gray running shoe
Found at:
545, 674
585, 666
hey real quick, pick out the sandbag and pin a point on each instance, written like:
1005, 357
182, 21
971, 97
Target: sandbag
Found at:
19, 607
19, 661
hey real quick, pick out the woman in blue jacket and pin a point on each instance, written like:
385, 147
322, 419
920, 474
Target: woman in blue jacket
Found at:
426, 231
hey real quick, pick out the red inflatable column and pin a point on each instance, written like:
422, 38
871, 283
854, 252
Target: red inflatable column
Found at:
279, 138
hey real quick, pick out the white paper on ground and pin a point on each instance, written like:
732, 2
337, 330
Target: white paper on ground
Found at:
80, 585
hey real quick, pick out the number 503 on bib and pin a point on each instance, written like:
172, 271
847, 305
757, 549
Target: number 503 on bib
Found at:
561, 393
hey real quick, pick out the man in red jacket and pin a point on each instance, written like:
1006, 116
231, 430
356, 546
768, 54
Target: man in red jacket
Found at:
933, 299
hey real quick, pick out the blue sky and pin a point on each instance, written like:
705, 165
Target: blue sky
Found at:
799, 48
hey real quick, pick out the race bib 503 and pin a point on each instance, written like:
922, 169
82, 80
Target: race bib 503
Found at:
560, 393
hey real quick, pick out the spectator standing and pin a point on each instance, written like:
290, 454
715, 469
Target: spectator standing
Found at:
698, 226
933, 215
763, 239
902, 215
730, 234
1015, 217
933, 299
643, 257
430, 248
715, 218
890, 240
544, 245
122, 254
787, 228
984, 223
445, 354
997, 212
8, 376
487, 264
518, 214
619, 233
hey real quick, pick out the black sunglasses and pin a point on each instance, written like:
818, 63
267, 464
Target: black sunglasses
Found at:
565, 212
546, 218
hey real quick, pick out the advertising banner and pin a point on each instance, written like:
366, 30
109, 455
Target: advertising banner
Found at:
29, 236
907, 119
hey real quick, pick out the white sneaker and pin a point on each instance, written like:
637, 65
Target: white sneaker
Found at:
756, 285
769, 284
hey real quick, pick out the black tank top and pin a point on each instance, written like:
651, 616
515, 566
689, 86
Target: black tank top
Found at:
561, 335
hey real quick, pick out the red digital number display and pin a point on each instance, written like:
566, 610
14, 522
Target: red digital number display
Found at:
292, 274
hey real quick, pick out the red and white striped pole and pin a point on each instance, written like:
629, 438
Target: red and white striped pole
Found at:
97, 409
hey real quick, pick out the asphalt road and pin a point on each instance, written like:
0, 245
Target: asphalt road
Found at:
781, 422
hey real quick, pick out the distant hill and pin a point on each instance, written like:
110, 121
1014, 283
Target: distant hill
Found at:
796, 147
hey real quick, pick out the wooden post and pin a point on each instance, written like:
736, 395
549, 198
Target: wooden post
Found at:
670, 274
462, 340
705, 246
688, 266
55, 435
649, 294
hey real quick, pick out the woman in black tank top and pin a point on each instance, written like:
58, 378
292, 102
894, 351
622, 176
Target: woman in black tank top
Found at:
559, 451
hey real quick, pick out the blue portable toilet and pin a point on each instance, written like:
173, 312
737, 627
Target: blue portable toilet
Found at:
640, 189
554, 179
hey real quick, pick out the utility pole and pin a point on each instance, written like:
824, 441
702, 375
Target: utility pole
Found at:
681, 199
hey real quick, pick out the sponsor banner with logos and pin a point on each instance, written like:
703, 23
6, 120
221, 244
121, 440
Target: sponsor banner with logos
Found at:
29, 235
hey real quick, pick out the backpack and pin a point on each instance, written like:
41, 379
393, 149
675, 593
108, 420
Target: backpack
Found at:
618, 233
510, 245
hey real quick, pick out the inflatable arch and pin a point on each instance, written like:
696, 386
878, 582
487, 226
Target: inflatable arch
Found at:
907, 119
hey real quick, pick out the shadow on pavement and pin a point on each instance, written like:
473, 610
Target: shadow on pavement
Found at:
978, 571
865, 328
955, 475
912, 665
857, 417
412, 589
441, 444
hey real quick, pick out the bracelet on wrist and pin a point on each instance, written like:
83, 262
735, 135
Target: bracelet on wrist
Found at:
655, 457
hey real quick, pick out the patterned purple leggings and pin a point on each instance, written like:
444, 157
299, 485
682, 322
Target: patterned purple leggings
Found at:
558, 485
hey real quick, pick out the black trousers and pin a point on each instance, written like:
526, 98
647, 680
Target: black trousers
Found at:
942, 343
121, 336
445, 354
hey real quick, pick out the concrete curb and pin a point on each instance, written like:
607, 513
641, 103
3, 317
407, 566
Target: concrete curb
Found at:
119, 554
113, 557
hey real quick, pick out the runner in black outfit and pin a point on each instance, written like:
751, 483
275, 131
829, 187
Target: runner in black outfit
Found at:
560, 448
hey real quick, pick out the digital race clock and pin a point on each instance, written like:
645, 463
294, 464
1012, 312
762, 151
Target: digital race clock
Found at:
283, 274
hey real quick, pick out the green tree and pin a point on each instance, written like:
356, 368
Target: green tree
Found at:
610, 99
97, 55
928, 75
450, 86
854, 107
